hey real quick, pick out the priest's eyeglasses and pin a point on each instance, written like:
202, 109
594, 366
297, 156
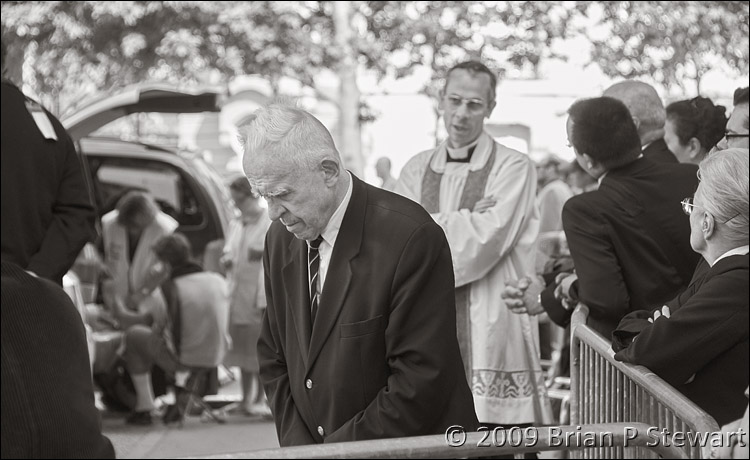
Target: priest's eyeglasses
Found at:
473, 105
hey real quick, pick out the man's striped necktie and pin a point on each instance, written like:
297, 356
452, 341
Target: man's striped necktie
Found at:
313, 267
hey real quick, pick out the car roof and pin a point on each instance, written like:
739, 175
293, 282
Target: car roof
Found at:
145, 97
121, 147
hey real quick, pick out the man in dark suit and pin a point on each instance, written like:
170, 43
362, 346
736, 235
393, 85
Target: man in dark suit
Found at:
648, 114
629, 240
47, 214
359, 337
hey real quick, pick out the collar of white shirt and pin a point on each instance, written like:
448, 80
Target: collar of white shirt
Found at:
331, 232
742, 250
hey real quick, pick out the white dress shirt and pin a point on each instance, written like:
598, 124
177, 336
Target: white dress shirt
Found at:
742, 250
330, 233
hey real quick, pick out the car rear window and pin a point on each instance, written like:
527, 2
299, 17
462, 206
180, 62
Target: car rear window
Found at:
174, 194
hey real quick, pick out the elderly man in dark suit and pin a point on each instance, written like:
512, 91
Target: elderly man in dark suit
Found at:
629, 240
359, 337
648, 114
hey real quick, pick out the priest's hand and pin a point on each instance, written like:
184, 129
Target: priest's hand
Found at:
484, 204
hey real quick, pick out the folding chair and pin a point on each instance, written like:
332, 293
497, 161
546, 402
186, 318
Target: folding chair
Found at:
191, 396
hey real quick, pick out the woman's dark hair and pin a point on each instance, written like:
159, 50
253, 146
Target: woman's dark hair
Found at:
173, 249
698, 118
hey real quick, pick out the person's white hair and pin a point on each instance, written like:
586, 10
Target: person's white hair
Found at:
284, 135
642, 101
724, 190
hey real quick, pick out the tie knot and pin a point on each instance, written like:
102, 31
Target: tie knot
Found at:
315, 244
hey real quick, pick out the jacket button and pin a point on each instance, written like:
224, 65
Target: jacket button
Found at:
321, 431
308, 384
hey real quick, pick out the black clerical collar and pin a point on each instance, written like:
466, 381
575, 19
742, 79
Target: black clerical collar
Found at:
461, 160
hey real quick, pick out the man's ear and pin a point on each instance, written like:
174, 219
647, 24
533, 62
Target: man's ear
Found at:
709, 225
694, 147
490, 108
590, 162
331, 170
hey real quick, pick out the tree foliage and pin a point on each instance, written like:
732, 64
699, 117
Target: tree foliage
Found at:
673, 42
508, 36
74, 48
106, 45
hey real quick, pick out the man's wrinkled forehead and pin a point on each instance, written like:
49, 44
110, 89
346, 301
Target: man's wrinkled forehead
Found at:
270, 183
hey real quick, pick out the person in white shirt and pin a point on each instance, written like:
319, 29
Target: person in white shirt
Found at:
242, 262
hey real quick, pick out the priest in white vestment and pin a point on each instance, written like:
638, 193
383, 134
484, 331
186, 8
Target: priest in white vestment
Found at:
483, 195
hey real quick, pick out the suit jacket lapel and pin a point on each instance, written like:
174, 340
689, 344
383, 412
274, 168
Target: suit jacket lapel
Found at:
298, 301
339, 274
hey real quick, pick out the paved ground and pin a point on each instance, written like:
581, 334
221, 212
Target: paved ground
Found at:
195, 438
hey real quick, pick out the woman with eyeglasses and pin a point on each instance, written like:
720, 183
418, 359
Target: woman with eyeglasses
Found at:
698, 342
693, 127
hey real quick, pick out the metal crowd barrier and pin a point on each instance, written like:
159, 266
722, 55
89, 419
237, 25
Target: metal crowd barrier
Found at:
474, 445
617, 411
607, 391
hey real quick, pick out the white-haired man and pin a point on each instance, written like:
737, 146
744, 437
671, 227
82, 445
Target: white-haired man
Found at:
358, 339
648, 114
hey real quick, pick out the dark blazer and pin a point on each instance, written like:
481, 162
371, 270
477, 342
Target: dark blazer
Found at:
659, 152
630, 241
48, 408
382, 359
47, 213
706, 338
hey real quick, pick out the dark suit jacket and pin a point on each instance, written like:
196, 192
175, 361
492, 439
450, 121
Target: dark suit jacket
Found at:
382, 359
706, 336
659, 152
48, 408
47, 213
630, 241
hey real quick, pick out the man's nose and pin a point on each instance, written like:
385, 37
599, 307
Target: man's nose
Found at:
462, 111
721, 145
275, 211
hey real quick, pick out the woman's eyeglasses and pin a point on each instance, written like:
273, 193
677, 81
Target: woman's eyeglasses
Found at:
688, 205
